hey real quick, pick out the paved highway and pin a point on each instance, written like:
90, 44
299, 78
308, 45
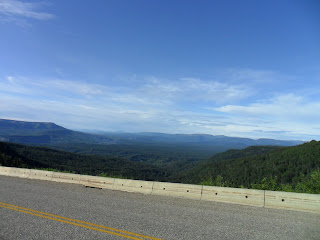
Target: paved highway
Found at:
34, 209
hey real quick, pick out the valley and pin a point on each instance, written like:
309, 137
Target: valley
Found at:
195, 158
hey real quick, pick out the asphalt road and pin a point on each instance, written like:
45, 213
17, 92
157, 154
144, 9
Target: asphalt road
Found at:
77, 212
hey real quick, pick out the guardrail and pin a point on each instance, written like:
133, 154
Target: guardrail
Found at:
261, 198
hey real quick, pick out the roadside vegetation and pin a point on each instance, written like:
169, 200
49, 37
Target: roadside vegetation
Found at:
306, 184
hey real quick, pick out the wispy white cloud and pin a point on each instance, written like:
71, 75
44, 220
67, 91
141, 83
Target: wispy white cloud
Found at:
185, 105
49, 87
288, 114
285, 107
151, 105
80, 88
18, 11
150, 90
192, 89
10, 79
251, 76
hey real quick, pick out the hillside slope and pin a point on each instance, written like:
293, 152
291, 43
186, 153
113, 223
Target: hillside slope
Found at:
285, 166
17, 155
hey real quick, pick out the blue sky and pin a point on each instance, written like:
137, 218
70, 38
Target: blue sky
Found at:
235, 68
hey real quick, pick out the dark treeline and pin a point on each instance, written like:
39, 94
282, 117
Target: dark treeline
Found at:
16, 155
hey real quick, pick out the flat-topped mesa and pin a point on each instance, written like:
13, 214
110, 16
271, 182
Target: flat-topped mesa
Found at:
14, 127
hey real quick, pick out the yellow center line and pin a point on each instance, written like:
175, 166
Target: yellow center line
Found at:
74, 222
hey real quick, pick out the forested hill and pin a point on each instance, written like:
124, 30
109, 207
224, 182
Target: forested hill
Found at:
13, 127
247, 152
283, 168
17, 155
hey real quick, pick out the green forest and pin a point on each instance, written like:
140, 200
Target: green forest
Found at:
271, 168
17, 155
172, 157
294, 168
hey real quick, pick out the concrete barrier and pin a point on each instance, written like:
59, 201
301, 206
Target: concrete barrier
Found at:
15, 172
177, 190
4, 170
293, 201
19, 172
40, 174
250, 197
97, 182
269, 199
66, 177
128, 185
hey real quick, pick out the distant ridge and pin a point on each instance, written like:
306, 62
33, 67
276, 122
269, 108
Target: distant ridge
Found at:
44, 133
14, 127
217, 140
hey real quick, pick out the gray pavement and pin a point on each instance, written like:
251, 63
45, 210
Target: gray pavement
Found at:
155, 216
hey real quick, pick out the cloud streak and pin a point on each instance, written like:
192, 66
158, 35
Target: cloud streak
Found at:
14, 11
192, 89
289, 114
284, 107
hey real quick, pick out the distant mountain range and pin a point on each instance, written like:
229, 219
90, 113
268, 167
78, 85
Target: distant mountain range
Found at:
46, 133
218, 140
